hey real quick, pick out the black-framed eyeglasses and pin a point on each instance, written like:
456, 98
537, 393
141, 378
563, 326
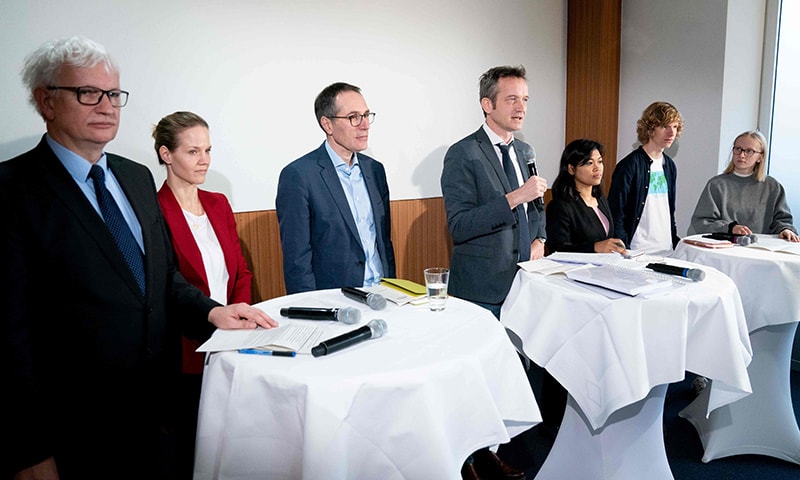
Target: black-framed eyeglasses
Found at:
357, 118
748, 152
93, 95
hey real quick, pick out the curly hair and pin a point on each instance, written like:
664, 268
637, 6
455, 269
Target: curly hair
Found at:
657, 114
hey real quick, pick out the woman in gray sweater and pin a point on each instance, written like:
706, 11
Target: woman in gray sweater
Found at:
744, 199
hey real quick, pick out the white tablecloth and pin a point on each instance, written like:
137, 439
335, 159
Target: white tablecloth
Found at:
763, 423
412, 404
609, 353
769, 282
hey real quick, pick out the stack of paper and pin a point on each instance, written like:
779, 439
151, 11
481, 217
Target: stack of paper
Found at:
587, 258
774, 243
292, 337
545, 266
623, 280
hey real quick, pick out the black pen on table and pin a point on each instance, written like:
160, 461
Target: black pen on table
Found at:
274, 353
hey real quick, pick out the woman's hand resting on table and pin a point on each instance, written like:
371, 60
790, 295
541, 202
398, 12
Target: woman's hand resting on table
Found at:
610, 245
789, 235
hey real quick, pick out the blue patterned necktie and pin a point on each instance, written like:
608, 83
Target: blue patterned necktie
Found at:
522, 217
118, 226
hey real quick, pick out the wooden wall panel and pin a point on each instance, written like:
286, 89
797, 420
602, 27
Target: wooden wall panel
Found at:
593, 63
419, 235
261, 245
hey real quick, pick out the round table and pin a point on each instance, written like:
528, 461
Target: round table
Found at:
412, 404
769, 285
615, 356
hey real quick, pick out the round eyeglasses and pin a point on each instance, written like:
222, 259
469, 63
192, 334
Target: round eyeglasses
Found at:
748, 152
357, 118
93, 95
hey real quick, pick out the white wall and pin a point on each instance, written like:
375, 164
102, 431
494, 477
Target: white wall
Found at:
704, 58
253, 68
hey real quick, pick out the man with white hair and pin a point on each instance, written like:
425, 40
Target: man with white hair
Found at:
87, 281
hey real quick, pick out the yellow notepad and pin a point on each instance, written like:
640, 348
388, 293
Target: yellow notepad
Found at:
405, 286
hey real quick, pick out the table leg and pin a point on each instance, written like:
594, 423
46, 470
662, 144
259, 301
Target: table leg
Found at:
629, 445
762, 423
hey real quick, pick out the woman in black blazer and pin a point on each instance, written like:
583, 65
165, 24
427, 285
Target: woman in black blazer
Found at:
578, 217
577, 220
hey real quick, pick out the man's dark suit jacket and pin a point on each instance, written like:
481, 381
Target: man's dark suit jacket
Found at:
87, 360
319, 238
190, 260
483, 227
572, 226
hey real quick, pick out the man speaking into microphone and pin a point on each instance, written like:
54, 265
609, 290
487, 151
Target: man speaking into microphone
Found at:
491, 214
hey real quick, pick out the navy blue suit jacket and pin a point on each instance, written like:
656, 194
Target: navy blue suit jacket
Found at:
320, 242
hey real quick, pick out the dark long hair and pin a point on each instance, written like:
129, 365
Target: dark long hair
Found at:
576, 153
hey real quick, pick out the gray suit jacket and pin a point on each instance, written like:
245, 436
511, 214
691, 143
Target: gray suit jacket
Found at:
483, 227
319, 238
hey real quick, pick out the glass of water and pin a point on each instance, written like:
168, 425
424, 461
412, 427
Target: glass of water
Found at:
436, 283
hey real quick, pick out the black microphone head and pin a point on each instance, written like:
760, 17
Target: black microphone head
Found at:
348, 315
695, 274
753, 238
376, 301
377, 327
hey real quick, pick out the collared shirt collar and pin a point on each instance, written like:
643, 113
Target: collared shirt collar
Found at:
77, 166
493, 137
338, 162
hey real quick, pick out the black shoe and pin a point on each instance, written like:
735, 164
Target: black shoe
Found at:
468, 472
489, 466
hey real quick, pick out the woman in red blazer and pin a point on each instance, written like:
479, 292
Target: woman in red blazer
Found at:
203, 233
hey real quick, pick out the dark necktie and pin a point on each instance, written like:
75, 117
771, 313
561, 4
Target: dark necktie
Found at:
522, 217
118, 226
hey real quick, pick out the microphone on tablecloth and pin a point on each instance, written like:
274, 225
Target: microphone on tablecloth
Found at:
348, 315
376, 301
743, 240
534, 172
376, 328
691, 273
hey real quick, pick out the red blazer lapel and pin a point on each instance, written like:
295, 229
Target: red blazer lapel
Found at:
190, 261
221, 217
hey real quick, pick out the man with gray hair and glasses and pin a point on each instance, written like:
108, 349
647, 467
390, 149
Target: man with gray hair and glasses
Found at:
87, 281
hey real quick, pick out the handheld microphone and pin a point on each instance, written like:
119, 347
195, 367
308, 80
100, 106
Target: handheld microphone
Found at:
690, 273
534, 172
346, 315
733, 237
374, 329
374, 300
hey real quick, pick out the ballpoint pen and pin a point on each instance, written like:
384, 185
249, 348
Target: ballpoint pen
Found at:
274, 353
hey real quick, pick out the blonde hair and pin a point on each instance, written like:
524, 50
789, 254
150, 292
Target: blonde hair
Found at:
166, 132
760, 168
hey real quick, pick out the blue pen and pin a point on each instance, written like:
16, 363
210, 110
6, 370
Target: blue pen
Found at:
274, 353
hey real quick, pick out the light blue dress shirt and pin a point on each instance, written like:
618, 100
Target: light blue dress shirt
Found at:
355, 189
78, 168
